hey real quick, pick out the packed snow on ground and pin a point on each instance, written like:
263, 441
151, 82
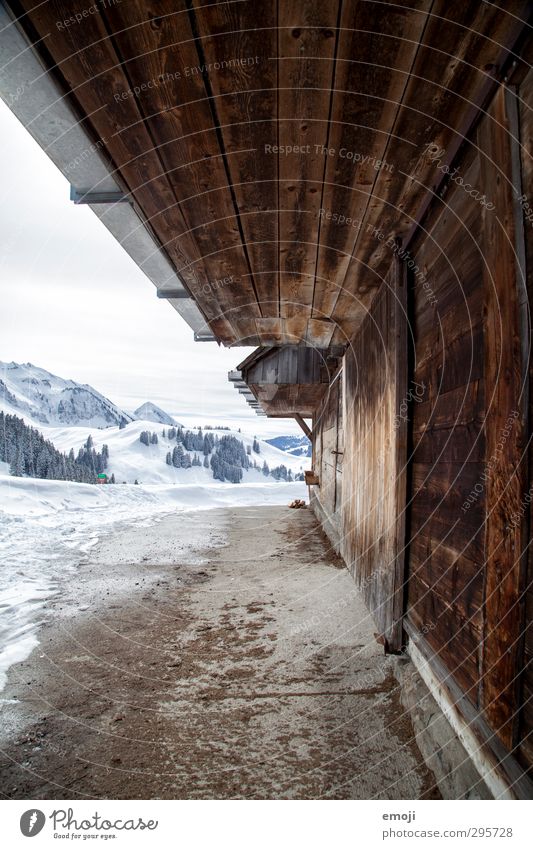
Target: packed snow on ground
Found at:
47, 527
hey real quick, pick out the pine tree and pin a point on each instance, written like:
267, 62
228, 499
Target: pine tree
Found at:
153, 439
16, 467
206, 462
177, 456
169, 458
256, 446
28, 453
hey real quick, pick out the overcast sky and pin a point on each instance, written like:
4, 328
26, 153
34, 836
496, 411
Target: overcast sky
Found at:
73, 302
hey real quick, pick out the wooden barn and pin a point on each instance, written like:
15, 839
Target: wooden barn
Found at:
346, 186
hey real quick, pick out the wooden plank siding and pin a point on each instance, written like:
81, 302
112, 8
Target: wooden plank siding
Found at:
307, 44
326, 497
438, 99
289, 379
466, 488
195, 104
503, 613
245, 108
525, 723
467, 475
447, 543
373, 476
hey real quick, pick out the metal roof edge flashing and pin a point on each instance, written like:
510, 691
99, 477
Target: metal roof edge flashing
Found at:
39, 104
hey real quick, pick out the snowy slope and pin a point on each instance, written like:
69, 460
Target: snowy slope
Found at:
129, 459
66, 413
299, 446
44, 398
152, 413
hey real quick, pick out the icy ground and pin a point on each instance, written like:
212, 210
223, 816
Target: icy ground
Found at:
48, 527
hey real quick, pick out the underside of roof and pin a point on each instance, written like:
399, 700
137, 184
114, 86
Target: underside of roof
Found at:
272, 155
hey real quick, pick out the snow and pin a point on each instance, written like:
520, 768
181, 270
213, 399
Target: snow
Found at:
298, 446
42, 397
152, 413
36, 396
46, 528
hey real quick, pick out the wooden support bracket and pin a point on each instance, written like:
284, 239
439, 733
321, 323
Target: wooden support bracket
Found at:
306, 429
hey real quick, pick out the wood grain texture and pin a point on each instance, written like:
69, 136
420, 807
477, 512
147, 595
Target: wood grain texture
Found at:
375, 55
437, 103
196, 103
245, 106
177, 113
505, 474
446, 554
364, 497
525, 737
307, 39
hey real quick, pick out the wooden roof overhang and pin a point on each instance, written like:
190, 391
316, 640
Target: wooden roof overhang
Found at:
286, 381
275, 149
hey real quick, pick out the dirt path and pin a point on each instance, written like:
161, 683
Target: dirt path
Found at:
246, 670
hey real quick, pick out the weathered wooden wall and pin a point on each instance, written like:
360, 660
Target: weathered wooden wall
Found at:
467, 481
454, 570
525, 738
362, 485
447, 491
289, 379
372, 506
327, 463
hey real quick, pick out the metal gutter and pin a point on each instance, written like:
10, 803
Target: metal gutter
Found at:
37, 101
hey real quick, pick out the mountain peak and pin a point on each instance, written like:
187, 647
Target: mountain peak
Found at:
45, 398
150, 412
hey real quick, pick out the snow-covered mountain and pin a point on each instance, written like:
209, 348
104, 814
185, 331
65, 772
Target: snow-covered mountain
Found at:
45, 398
152, 413
298, 446
67, 413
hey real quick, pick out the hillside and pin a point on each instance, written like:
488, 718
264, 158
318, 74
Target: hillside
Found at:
298, 446
130, 459
68, 413
45, 398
